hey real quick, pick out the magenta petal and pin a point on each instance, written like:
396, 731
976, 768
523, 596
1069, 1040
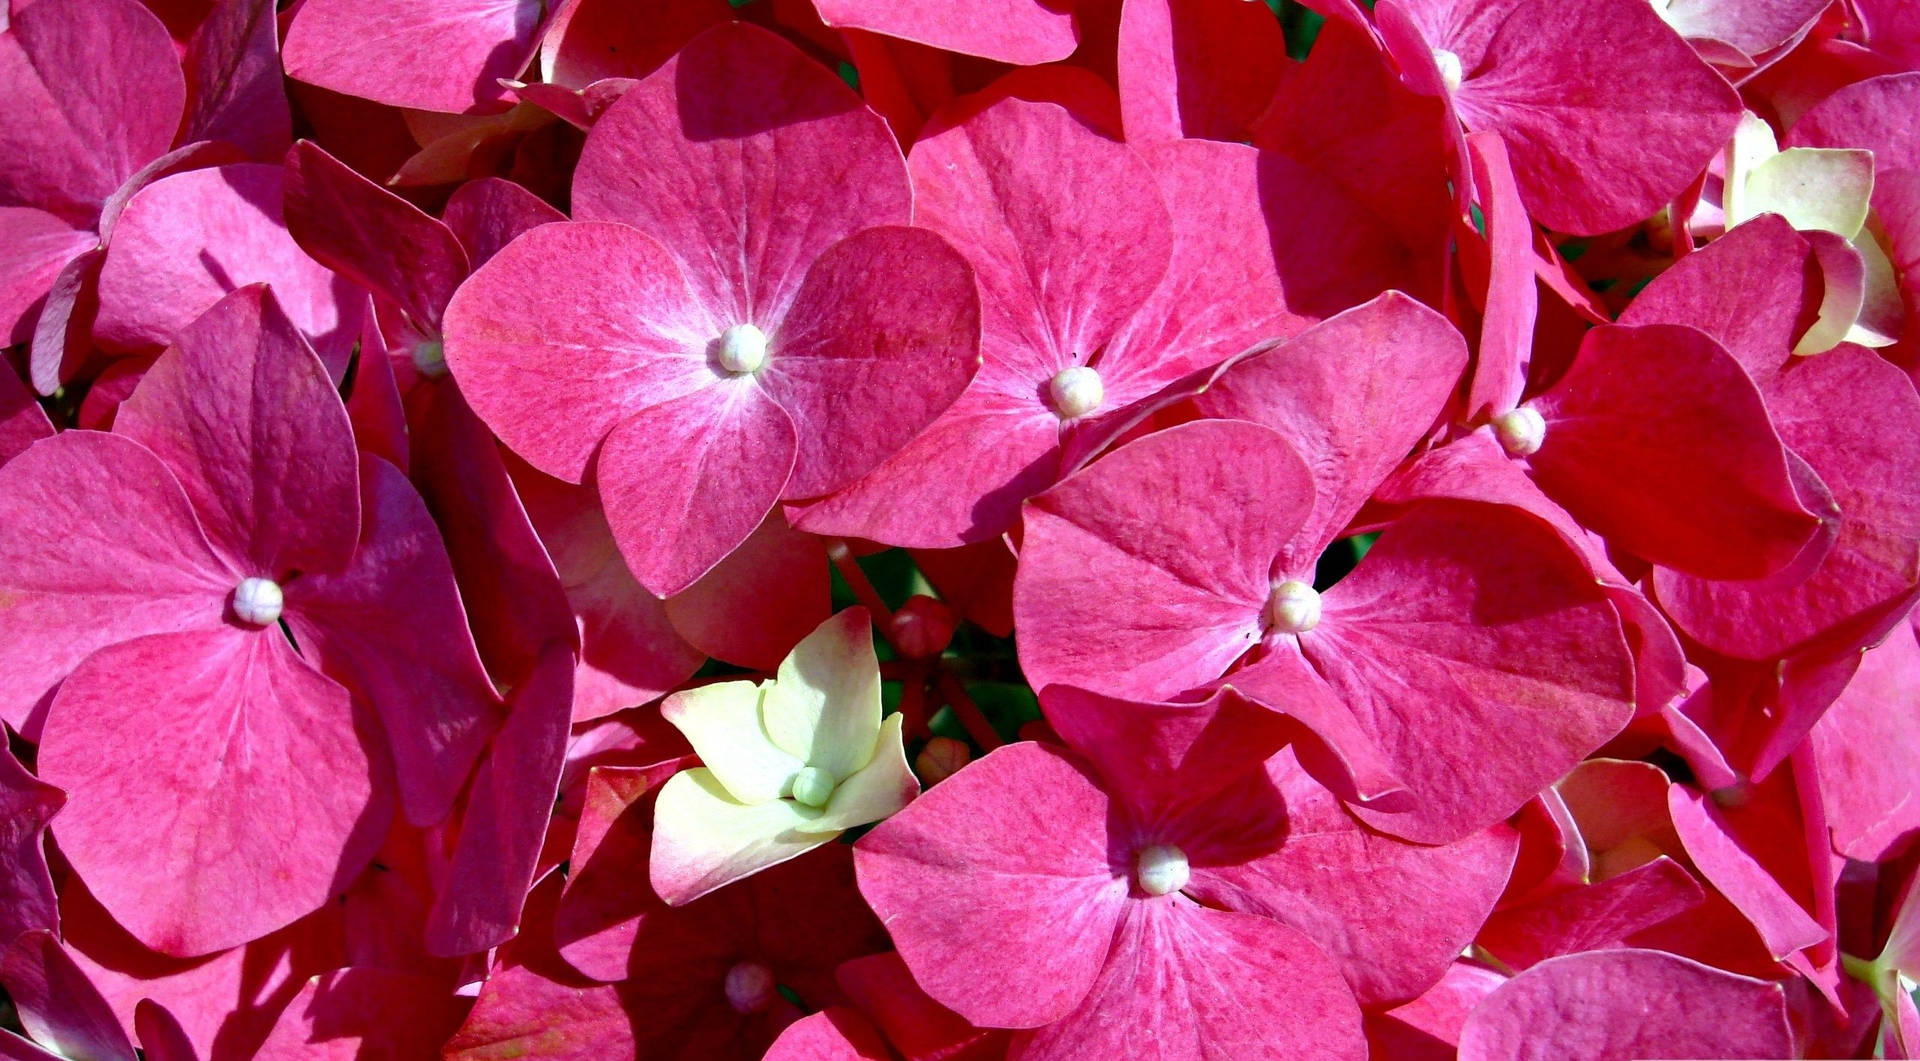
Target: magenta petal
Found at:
102, 545
1870, 114
186, 241
390, 627
1022, 32
1658, 440
632, 338
161, 1036
1590, 916
27, 899
686, 481
753, 606
1196, 68
230, 736
882, 337
246, 417
1005, 866
702, 154
1513, 297
366, 233
1615, 1005
1353, 394
365, 1012
593, 40
22, 421
1520, 643
57, 1005
487, 214
1391, 915
1783, 924
1865, 745
94, 92
838, 1033
433, 55
236, 94
505, 819
1207, 984
39, 246
1333, 746
63, 334
1146, 574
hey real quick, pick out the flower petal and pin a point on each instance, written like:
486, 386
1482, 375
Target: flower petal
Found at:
722, 722
703, 839
876, 791
823, 708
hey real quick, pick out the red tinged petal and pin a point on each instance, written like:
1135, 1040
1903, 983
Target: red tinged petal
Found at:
57, 1005
1391, 915
970, 876
371, 236
1657, 439
1022, 32
1450, 654
838, 1033
882, 337
489, 213
22, 421
102, 546
390, 627
687, 480
365, 1012
1428, 1028
884, 989
161, 1036
1867, 755
1595, 916
235, 93
246, 417
634, 338
504, 821
1718, 852
187, 240
1353, 395
1206, 984
1146, 574
1871, 114
591, 40
40, 245
228, 737
432, 55
27, 899
94, 92
752, 607
600, 909
62, 336
1615, 1005
1196, 68
1513, 298
1750, 27
703, 154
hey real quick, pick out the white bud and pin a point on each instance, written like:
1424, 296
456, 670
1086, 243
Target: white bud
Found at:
742, 349
1294, 607
430, 358
1451, 73
258, 601
1162, 869
1521, 431
813, 786
749, 987
1076, 392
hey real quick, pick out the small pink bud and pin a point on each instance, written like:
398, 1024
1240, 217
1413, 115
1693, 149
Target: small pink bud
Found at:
749, 987
922, 627
940, 759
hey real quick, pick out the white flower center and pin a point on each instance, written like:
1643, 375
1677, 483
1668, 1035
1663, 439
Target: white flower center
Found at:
1451, 73
750, 987
743, 349
430, 358
1076, 392
1294, 607
1521, 431
813, 786
258, 601
1162, 869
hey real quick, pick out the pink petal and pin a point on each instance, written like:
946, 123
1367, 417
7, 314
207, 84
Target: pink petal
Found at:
1658, 440
63, 335
27, 899
1864, 745
1513, 299
161, 1036
233, 69
1601, 915
631, 339
686, 481
57, 1005
1391, 915
1004, 866
186, 241
882, 337
591, 40
504, 822
838, 1033
94, 92
1202, 983
40, 246
371, 236
1428, 1028
390, 627
354, 1013
487, 214
1022, 32
757, 603
433, 55
1146, 574
1196, 68
246, 417
102, 546
600, 910
1869, 114
1752, 27
883, 987
1352, 395
1330, 741
1783, 924
699, 154
1519, 643
231, 736
1622, 1004
374, 406
22, 421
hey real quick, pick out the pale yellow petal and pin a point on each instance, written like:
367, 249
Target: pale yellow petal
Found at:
722, 722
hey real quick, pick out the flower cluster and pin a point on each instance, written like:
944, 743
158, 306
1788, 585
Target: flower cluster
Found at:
976, 529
